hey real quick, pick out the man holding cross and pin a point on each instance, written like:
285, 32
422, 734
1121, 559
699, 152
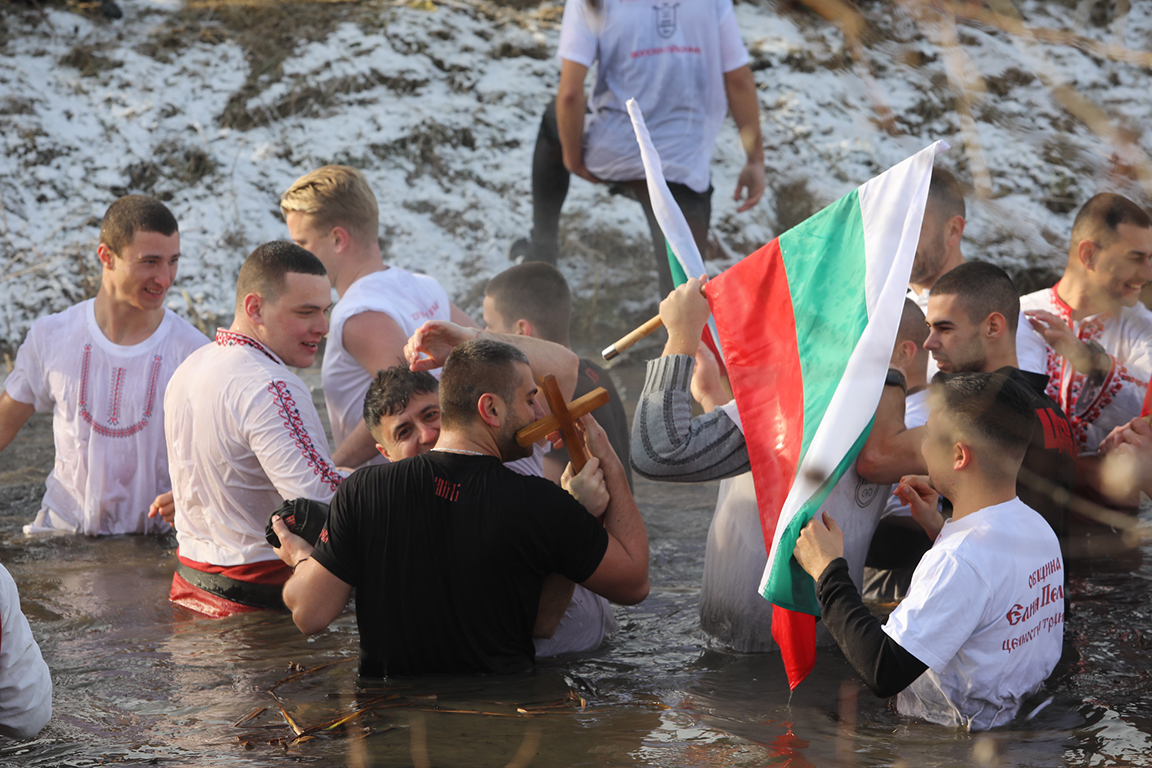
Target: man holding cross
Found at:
448, 551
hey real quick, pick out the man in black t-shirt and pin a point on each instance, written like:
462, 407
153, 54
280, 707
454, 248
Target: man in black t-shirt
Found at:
972, 315
533, 299
448, 550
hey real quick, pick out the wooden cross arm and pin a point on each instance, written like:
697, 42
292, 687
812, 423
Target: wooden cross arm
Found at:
538, 430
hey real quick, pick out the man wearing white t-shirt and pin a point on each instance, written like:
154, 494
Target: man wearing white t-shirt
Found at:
333, 213
101, 367
243, 435
686, 66
938, 252
983, 623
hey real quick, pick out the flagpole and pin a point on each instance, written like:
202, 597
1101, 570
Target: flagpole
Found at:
634, 336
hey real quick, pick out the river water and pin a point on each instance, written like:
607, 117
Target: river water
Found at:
138, 681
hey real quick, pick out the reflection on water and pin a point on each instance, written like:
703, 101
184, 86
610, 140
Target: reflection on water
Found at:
139, 681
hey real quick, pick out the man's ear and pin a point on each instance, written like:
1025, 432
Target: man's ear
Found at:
995, 325
383, 451
961, 456
524, 328
340, 239
106, 255
253, 307
491, 409
954, 230
1086, 254
904, 353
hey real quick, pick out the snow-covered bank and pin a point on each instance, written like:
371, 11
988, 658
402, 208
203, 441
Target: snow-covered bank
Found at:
439, 104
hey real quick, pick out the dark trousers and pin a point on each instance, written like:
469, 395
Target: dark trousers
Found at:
550, 186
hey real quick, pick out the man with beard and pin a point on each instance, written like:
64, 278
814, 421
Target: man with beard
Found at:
448, 550
972, 315
938, 252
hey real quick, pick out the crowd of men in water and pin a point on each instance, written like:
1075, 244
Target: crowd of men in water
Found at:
469, 553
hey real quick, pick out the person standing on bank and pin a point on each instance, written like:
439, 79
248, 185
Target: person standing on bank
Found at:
686, 66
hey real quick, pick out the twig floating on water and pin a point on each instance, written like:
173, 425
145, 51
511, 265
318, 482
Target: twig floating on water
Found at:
250, 716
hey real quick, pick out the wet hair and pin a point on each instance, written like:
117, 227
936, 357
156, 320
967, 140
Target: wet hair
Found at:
1101, 217
335, 196
264, 271
912, 325
946, 193
472, 369
391, 391
983, 289
131, 214
536, 292
990, 408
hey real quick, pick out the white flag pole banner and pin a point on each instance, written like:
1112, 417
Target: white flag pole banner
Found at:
668, 213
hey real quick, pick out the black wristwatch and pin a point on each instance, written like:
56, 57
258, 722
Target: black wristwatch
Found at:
895, 378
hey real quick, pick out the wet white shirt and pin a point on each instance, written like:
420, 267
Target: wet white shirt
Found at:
243, 436
107, 418
410, 300
671, 57
1126, 335
985, 613
25, 683
1031, 351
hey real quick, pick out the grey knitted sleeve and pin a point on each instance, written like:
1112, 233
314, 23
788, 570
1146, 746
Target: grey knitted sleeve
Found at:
668, 444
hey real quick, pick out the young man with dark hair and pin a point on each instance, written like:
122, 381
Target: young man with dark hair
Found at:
983, 623
102, 367
243, 435
971, 319
448, 550
938, 252
402, 411
533, 299
1098, 333
333, 213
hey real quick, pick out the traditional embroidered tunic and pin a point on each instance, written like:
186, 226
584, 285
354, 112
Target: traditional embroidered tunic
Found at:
243, 436
1095, 406
107, 418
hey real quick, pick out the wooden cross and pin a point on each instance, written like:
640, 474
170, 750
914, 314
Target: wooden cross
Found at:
563, 418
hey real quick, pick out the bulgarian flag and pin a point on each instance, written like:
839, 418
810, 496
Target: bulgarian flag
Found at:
808, 324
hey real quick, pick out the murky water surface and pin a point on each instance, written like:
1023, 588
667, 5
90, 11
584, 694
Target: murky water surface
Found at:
141, 682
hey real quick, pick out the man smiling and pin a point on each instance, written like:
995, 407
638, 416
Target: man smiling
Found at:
243, 434
102, 366
1099, 335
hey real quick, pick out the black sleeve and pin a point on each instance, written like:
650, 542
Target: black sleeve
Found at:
884, 665
336, 548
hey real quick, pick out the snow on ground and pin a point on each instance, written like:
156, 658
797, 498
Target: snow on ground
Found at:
439, 105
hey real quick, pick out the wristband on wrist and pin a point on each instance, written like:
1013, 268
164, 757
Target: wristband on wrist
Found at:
300, 561
895, 378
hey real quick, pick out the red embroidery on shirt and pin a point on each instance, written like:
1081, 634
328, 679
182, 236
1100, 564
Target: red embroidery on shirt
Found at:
232, 339
105, 430
445, 489
1057, 432
286, 405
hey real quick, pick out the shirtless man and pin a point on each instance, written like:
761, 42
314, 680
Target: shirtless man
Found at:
403, 410
333, 213
243, 435
533, 299
983, 623
481, 538
1098, 333
102, 367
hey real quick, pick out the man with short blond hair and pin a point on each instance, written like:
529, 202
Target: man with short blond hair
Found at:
101, 367
333, 213
1098, 333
